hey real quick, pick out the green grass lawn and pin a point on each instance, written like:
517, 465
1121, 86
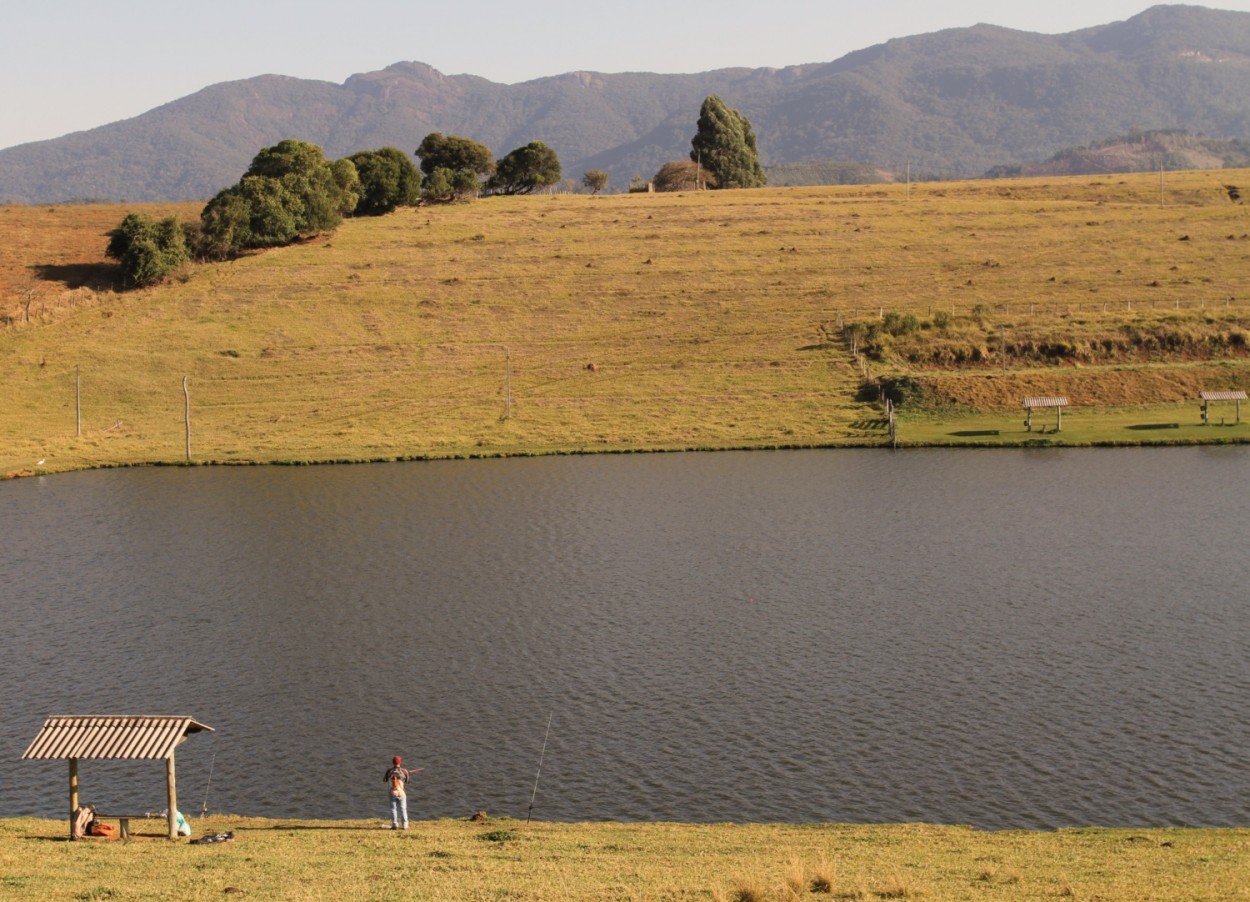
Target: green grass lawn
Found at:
1178, 422
505, 859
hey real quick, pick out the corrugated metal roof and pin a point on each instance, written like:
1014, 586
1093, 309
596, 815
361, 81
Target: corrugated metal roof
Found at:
1222, 395
113, 736
1046, 402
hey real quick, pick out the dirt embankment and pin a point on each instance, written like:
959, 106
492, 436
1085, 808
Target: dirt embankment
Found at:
1086, 388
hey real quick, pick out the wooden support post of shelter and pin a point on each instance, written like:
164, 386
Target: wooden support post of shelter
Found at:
1209, 396
116, 737
1031, 404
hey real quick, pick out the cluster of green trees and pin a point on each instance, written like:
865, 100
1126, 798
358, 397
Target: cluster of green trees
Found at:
291, 190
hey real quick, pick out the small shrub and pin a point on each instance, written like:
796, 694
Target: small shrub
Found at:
796, 878
749, 891
903, 390
823, 879
943, 319
895, 323
499, 836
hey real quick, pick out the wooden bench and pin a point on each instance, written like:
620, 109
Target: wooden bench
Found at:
123, 820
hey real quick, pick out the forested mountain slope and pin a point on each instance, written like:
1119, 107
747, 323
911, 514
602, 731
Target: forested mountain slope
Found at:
955, 102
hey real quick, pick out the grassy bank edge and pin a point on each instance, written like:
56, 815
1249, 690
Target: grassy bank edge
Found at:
505, 858
914, 431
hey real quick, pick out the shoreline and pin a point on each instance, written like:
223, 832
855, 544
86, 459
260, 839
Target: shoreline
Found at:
1000, 441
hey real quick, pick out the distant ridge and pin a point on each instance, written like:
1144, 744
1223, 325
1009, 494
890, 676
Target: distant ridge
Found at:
1147, 151
956, 102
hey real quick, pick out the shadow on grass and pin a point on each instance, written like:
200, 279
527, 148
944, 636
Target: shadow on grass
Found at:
79, 275
970, 433
311, 827
1155, 426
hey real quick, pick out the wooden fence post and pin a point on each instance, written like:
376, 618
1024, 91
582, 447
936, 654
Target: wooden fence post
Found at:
186, 398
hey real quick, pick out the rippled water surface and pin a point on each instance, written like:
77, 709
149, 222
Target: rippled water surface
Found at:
1000, 638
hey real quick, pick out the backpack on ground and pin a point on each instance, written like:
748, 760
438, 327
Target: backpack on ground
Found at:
101, 829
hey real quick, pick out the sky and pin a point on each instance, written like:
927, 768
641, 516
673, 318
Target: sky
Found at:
71, 65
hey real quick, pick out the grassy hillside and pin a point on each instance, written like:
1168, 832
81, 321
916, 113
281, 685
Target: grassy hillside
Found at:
503, 859
636, 322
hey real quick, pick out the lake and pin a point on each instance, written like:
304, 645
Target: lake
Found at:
1003, 638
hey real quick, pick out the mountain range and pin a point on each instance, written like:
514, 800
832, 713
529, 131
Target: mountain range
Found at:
957, 102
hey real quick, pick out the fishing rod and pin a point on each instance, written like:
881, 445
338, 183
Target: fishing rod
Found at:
204, 807
540, 767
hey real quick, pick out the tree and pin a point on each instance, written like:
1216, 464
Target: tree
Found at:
445, 185
682, 175
289, 190
388, 179
347, 180
225, 225
595, 179
523, 170
724, 144
453, 167
275, 214
147, 250
304, 172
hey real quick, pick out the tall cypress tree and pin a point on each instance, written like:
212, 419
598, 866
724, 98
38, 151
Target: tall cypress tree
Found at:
724, 144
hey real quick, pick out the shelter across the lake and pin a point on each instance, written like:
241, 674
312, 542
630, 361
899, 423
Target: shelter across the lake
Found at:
117, 737
1209, 396
1058, 403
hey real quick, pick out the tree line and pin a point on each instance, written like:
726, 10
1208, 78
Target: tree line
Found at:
291, 190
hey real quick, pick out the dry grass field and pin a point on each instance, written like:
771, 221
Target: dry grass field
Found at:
570, 323
460, 861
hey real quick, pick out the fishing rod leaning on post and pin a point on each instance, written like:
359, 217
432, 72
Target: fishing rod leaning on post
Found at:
541, 755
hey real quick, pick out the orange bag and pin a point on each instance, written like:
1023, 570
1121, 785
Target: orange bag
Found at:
99, 828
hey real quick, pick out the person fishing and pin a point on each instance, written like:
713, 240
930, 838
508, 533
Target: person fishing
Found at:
396, 779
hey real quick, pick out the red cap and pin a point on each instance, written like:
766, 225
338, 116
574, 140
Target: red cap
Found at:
397, 760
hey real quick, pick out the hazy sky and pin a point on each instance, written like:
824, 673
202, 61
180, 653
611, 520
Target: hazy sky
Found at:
70, 65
